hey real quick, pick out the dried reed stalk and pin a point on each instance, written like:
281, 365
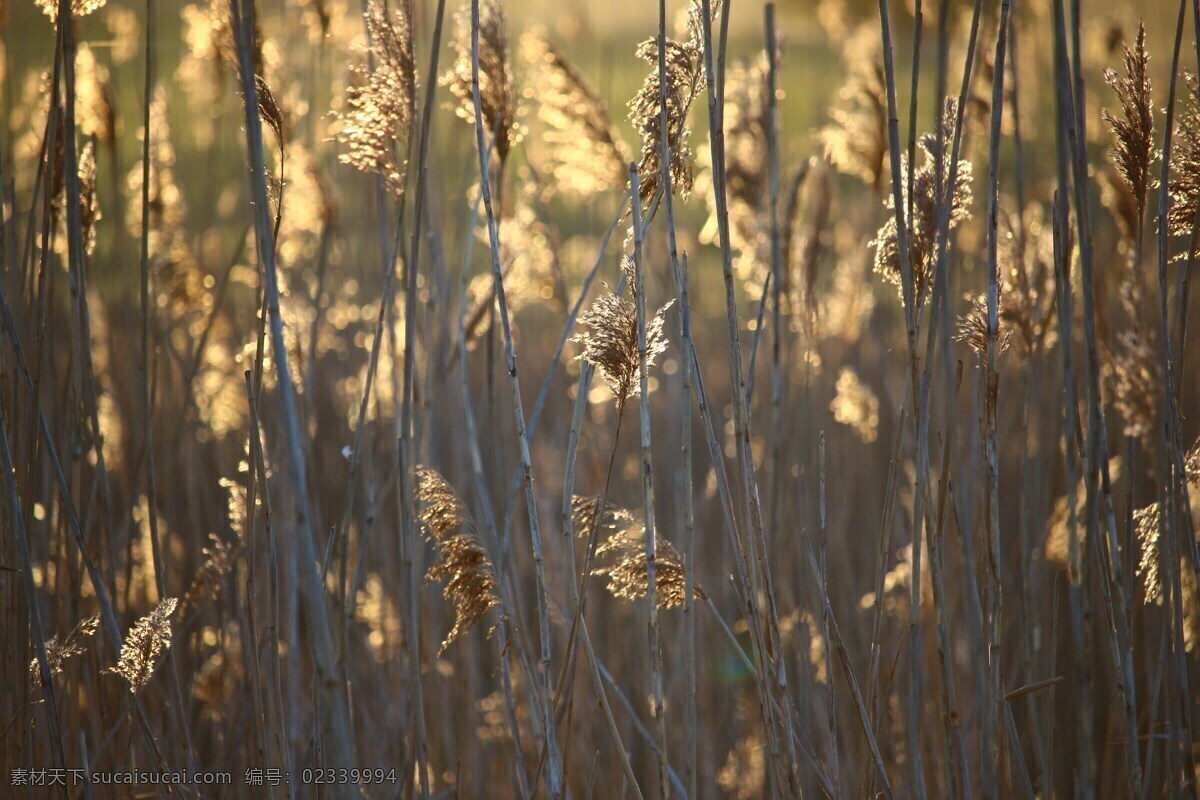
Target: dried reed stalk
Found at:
42, 657
1174, 497
554, 773
764, 624
334, 720
644, 355
997, 706
1098, 481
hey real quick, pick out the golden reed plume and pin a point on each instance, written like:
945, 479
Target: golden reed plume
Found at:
1134, 129
973, 327
1026, 253
148, 640
923, 222
497, 85
379, 106
625, 553
1184, 183
611, 342
583, 151
685, 79
57, 652
856, 140
218, 559
79, 8
462, 562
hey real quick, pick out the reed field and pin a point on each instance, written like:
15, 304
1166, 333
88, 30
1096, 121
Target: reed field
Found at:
530, 399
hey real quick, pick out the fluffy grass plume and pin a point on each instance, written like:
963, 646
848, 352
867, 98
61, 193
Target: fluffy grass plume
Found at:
610, 341
685, 80
922, 224
79, 8
378, 112
583, 152
218, 560
973, 328
144, 646
269, 110
1026, 253
88, 202
57, 652
627, 574
1136, 371
497, 83
623, 556
856, 139
1057, 539
1147, 523
1184, 183
1133, 149
462, 561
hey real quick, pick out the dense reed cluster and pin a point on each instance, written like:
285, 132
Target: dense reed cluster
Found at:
505, 398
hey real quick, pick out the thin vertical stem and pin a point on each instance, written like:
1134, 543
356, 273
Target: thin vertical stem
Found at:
689, 543
334, 719
1100, 514
554, 773
768, 645
997, 706
830, 705
13, 501
639, 296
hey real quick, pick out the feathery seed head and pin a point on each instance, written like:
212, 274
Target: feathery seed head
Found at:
1137, 379
747, 170
1147, 524
57, 652
856, 140
269, 110
922, 225
624, 554
497, 85
974, 330
587, 522
89, 205
79, 8
218, 558
582, 150
462, 562
611, 343
379, 108
685, 79
628, 575
856, 405
1026, 251
1133, 150
1184, 182
145, 644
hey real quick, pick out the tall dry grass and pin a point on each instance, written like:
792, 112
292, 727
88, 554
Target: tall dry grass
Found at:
327, 328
